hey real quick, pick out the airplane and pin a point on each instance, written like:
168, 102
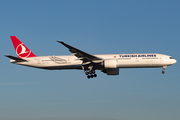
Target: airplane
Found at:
107, 63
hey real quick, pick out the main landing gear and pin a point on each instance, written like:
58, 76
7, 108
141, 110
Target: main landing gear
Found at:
163, 70
90, 74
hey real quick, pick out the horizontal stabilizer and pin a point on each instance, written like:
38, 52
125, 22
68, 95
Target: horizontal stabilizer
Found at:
16, 58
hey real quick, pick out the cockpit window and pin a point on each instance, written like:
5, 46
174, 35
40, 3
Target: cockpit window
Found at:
171, 57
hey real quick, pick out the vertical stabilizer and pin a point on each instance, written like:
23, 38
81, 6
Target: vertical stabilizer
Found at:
21, 50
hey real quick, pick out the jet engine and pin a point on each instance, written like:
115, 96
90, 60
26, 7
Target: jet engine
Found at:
114, 71
110, 63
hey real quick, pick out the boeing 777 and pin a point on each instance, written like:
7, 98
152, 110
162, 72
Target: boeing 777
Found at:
107, 63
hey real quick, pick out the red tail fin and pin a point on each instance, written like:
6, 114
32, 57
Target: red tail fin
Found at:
21, 50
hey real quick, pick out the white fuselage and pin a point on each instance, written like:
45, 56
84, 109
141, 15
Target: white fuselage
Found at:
122, 60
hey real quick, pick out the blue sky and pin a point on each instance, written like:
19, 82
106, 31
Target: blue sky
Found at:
97, 27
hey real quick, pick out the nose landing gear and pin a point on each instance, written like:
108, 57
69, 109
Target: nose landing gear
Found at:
90, 74
163, 70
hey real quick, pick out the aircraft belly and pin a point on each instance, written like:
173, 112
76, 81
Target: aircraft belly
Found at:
62, 67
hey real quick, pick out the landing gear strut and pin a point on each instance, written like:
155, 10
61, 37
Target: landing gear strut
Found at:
163, 70
90, 74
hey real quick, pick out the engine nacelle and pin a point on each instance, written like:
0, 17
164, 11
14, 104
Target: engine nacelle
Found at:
111, 71
110, 63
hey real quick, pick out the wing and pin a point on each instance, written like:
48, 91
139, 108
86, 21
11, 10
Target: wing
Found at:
85, 57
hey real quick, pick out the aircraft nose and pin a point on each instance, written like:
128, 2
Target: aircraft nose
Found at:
174, 61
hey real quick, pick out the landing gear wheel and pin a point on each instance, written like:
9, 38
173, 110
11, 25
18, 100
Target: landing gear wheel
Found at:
163, 72
95, 75
90, 74
88, 77
86, 73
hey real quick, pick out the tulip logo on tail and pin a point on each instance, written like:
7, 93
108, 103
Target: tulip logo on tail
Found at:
22, 51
